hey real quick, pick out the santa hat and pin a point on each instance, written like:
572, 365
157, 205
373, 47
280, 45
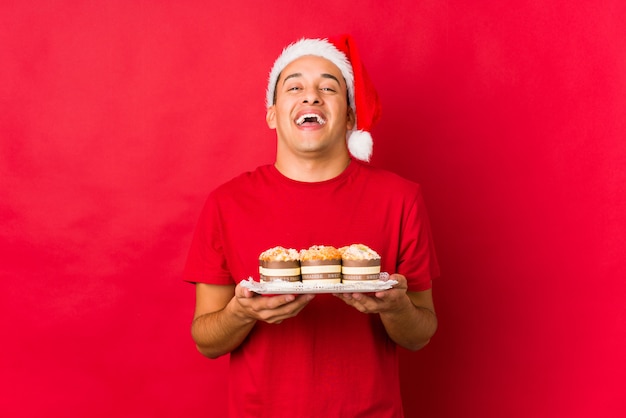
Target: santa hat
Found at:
363, 98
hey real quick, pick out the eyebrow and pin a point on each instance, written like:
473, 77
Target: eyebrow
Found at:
323, 75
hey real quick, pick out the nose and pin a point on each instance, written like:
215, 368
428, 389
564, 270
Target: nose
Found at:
311, 96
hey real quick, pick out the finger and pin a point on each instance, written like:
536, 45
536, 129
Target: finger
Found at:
275, 302
285, 304
242, 292
284, 311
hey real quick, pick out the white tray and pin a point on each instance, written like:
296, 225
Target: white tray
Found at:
279, 287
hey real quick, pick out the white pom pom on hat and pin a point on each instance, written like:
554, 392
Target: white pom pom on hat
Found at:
363, 98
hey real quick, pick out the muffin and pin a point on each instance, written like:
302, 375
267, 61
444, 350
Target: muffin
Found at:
359, 264
279, 263
320, 264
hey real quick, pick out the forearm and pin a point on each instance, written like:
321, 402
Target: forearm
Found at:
410, 326
219, 333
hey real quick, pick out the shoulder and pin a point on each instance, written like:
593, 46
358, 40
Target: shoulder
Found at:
248, 180
386, 180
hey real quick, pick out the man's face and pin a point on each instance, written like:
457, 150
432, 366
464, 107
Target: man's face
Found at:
311, 114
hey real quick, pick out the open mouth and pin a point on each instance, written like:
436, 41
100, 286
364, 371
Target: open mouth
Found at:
309, 118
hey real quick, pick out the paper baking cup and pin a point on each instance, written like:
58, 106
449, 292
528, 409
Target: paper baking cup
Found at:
360, 270
321, 271
288, 271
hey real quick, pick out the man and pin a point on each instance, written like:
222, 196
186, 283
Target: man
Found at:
314, 355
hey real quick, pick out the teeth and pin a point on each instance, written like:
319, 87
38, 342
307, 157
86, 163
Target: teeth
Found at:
313, 116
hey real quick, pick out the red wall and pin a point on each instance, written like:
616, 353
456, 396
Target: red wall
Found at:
117, 118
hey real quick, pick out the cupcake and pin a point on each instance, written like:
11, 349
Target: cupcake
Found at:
359, 263
320, 264
279, 263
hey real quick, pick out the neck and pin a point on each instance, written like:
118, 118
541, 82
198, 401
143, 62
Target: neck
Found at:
312, 170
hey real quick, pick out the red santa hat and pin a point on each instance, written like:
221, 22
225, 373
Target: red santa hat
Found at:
362, 96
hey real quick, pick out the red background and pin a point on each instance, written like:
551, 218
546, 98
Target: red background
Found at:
118, 117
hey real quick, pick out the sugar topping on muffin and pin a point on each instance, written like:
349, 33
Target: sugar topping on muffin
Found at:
358, 252
280, 254
320, 252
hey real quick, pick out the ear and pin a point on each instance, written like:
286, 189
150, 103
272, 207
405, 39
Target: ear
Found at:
350, 120
270, 117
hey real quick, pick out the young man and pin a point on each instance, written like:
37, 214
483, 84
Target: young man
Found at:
314, 355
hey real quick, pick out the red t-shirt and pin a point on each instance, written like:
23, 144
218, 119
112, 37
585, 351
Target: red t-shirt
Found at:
329, 360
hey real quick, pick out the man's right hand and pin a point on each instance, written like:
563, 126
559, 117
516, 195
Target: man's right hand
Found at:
270, 309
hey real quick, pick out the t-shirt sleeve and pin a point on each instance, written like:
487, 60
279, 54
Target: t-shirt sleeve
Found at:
418, 260
206, 262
